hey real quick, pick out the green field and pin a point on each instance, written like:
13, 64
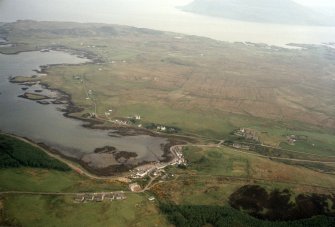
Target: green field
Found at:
60, 210
217, 162
212, 174
230, 162
34, 210
320, 146
38, 180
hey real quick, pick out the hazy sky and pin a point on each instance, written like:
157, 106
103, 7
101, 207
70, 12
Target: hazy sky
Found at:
325, 6
318, 3
311, 3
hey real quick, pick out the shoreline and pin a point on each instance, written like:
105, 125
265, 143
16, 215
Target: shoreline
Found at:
84, 169
92, 57
73, 165
65, 99
270, 43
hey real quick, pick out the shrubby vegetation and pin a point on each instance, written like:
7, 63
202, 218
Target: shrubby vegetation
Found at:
15, 153
200, 215
168, 129
281, 205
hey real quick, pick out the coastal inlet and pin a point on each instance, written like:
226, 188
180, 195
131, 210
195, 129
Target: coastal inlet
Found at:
103, 152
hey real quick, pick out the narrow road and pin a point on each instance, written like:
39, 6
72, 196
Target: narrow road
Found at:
259, 155
73, 166
41, 193
289, 150
148, 186
57, 193
287, 159
173, 150
207, 176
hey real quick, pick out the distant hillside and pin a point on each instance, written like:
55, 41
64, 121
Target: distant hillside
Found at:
269, 11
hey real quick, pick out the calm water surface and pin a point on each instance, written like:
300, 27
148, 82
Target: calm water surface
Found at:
44, 123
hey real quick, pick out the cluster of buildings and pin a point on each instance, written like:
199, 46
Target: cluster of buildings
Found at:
99, 197
123, 122
144, 170
119, 122
161, 128
291, 139
157, 168
108, 113
247, 133
178, 156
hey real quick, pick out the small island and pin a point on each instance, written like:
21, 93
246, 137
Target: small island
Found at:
34, 96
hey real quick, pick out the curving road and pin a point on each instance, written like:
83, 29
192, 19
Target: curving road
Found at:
173, 150
73, 166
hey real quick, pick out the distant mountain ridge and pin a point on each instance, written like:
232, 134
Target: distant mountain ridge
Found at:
268, 11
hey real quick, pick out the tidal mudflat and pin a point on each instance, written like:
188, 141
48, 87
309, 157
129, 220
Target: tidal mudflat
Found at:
45, 124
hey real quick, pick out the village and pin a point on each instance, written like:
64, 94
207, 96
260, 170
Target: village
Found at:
158, 167
245, 138
152, 170
99, 197
247, 133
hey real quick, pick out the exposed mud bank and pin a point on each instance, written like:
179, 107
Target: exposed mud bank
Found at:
104, 160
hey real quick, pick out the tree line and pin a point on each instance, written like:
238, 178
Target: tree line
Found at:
222, 216
15, 153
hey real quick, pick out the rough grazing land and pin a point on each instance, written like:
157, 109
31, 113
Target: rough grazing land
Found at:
146, 70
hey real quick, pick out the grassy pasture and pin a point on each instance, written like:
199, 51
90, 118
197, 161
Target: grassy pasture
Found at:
214, 173
60, 210
40, 180
34, 210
